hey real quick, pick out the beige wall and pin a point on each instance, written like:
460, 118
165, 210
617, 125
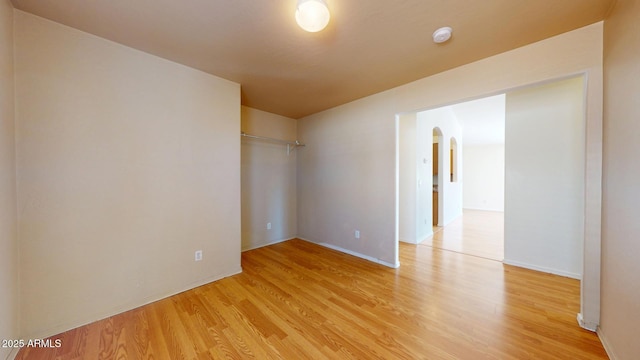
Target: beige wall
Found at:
9, 308
268, 179
346, 178
126, 164
407, 189
346, 175
544, 177
621, 228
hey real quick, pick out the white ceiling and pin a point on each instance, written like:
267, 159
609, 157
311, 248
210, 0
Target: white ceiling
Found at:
482, 120
369, 45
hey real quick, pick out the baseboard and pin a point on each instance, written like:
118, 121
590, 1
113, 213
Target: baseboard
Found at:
449, 221
606, 345
481, 209
543, 269
586, 325
425, 237
126, 307
416, 242
353, 253
267, 244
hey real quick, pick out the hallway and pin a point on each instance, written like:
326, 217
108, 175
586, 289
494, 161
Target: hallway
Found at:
476, 232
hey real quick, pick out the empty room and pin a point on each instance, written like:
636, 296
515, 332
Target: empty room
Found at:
266, 179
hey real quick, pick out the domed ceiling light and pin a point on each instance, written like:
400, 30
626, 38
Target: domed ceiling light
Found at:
441, 35
312, 15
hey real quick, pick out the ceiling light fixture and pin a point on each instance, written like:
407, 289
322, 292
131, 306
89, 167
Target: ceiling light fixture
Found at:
441, 35
312, 15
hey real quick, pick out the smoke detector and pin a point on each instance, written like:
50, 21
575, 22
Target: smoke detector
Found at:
441, 35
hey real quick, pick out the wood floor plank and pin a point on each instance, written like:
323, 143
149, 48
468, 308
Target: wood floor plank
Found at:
297, 300
479, 233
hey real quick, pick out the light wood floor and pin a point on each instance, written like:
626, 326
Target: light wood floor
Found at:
476, 232
296, 300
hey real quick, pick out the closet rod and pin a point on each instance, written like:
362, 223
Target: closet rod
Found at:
293, 143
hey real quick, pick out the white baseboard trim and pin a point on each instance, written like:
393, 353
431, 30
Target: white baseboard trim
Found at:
543, 269
427, 236
126, 307
481, 209
446, 222
416, 242
353, 253
606, 344
586, 325
267, 244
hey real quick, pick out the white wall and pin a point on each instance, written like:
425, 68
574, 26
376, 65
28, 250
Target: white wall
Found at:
621, 228
483, 185
449, 193
407, 161
416, 173
9, 271
268, 180
346, 177
126, 164
544, 182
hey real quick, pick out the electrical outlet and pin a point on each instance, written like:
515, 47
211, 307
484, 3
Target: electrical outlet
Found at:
268, 226
357, 234
198, 255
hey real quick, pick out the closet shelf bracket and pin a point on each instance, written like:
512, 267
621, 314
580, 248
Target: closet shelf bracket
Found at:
291, 145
